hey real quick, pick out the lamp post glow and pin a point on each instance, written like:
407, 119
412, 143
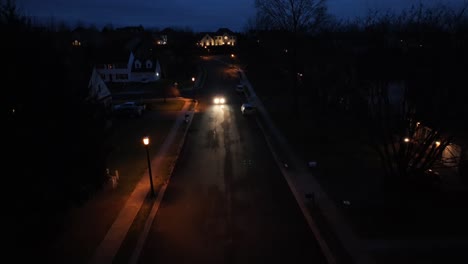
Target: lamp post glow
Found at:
146, 143
193, 88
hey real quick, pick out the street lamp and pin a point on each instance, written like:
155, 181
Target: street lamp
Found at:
193, 88
146, 143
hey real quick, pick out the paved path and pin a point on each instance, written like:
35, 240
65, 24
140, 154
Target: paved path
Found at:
110, 245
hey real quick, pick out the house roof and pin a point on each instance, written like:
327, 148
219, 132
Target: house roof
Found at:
145, 51
97, 88
219, 32
143, 67
222, 31
208, 36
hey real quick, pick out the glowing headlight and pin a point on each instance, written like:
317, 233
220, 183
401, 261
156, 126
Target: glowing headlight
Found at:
219, 100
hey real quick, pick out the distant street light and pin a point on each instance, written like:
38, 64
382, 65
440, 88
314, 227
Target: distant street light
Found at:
146, 143
193, 88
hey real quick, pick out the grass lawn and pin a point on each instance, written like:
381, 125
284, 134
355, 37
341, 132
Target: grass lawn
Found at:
185, 85
128, 245
169, 105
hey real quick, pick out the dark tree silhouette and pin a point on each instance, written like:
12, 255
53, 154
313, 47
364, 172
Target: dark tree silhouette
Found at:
296, 17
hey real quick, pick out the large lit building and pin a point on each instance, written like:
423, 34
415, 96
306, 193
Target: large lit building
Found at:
221, 37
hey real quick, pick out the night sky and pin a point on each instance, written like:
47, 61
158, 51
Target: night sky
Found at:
198, 15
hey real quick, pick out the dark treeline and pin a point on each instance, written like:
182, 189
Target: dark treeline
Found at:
55, 140
415, 46
347, 68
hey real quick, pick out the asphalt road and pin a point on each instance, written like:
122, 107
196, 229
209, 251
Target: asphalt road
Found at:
227, 201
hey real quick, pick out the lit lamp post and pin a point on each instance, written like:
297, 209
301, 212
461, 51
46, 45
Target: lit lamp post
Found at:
146, 143
232, 59
193, 88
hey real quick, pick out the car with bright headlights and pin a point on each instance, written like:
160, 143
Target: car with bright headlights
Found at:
219, 100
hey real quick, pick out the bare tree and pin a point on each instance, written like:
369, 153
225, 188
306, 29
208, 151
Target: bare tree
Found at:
295, 17
407, 148
291, 15
10, 14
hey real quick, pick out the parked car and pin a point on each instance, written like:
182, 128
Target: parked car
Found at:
248, 109
129, 109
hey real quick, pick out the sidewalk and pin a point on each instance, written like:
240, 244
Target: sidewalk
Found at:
303, 184
111, 243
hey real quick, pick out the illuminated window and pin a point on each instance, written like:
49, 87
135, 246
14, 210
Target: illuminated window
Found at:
137, 64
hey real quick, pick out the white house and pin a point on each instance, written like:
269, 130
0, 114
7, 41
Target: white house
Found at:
207, 40
97, 90
134, 70
145, 66
115, 72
